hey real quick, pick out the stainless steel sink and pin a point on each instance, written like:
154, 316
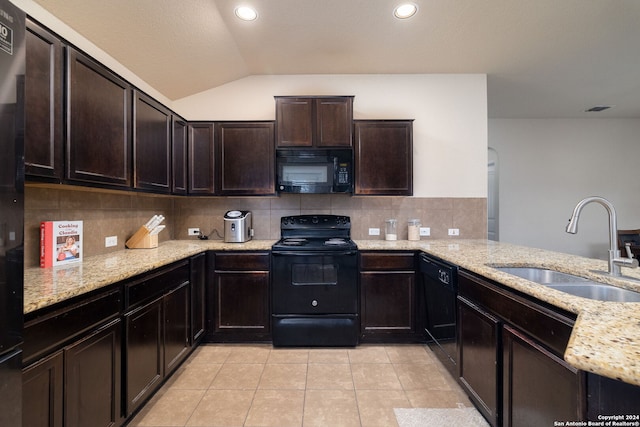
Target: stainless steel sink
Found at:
598, 291
574, 285
542, 275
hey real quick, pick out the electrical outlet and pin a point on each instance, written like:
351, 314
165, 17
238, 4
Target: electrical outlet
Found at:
194, 231
425, 231
454, 232
374, 232
110, 241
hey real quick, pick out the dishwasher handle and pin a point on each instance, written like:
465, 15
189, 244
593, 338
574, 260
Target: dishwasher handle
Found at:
441, 273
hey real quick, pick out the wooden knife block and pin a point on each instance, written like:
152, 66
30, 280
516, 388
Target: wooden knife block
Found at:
142, 240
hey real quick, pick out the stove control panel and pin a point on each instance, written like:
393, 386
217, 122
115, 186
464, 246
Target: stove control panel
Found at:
315, 221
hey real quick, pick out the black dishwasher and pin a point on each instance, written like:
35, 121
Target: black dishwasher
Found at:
439, 280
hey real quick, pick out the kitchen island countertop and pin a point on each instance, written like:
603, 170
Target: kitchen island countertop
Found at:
605, 339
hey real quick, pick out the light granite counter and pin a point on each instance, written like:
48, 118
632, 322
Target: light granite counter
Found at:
606, 336
46, 286
605, 339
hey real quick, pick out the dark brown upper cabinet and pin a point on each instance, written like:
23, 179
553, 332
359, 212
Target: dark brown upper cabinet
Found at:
151, 144
318, 121
383, 155
246, 158
44, 104
179, 141
98, 143
201, 158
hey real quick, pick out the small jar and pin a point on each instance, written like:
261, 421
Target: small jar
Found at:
391, 229
414, 229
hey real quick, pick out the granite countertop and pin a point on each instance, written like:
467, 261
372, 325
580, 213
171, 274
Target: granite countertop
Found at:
606, 336
46, 286
605, 339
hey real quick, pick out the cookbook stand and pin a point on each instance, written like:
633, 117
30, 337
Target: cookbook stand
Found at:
142, 240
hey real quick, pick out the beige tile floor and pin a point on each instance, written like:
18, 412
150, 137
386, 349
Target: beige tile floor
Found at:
258, 385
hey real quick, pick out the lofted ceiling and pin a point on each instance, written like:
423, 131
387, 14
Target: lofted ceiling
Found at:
543, 58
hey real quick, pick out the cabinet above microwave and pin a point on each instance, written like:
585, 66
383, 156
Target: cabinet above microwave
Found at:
314, 121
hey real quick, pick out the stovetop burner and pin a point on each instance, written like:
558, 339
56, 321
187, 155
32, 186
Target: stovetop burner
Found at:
336, 241
315, 232
294, 242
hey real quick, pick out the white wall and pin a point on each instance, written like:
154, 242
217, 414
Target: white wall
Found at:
547, 165
450, 112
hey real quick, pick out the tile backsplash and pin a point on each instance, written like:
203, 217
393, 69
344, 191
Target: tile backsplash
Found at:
117, 213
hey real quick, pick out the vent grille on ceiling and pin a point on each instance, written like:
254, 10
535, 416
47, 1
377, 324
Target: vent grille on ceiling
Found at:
598, 108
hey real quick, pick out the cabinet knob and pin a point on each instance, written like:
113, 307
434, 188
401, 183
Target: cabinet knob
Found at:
314, 303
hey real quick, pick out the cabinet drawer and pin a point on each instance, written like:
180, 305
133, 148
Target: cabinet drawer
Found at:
387, 261
242, 261
48, 332
549, 327
156, 284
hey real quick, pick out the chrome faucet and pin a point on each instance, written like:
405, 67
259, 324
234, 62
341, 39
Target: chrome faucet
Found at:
615, 260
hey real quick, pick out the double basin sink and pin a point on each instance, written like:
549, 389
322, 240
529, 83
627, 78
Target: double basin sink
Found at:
571, 284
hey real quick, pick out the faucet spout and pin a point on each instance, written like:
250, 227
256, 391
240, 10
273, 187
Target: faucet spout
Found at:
615, 261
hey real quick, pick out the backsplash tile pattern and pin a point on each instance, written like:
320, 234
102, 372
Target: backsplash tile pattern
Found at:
118, 213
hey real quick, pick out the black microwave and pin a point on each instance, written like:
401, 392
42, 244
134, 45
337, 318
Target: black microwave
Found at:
314, 171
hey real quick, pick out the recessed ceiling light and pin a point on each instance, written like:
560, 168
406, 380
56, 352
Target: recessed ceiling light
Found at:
246, 13
405, 10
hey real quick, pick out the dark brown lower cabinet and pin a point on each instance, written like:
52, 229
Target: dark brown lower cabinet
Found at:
239, 297
539, 387
387, 296
479, 359
42, 392
157, 330
92, 379
198, 298
510, 356
94, 360
144, 353
177, 314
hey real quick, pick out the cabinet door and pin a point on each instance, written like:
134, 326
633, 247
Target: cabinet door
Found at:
98, 130
314, 121
143, 353
198, 286
383, 157
201, 158
42, 392
539, 387
151, 144
177, 317
43, 104
92, 378
387, 302
478, 358
246, 158
294, 118
334, 122
242, 302
179, 156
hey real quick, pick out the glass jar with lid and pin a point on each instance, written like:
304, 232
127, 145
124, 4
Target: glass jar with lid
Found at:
391, 229
414, 229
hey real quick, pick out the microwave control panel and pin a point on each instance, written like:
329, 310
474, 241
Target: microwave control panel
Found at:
343, 174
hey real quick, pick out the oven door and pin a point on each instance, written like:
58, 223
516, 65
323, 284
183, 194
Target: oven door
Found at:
314, 282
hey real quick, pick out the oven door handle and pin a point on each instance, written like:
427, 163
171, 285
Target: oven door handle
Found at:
315, 253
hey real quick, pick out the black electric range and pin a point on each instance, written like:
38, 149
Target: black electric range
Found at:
314, 292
